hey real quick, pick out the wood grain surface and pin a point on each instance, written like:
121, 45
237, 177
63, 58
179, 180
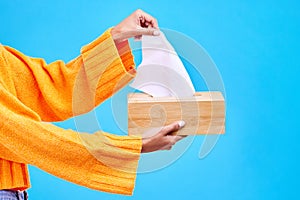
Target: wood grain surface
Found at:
203, 114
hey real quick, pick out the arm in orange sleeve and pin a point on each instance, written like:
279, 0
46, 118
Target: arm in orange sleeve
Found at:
58, 91
32, 92
99, 161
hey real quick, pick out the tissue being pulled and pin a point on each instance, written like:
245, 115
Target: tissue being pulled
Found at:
161, 72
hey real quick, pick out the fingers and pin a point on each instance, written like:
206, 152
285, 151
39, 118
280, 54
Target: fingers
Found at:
146, 20
172, 127
160, 138
172, 140
146, 31
137, 24
179, 137
119, 37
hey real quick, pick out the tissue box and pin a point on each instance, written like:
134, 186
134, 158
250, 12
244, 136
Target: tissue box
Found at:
204, 113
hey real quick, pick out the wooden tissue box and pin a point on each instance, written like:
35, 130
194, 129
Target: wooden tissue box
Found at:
203, 114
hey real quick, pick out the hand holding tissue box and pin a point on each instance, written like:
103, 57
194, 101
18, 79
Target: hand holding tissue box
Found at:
169, 95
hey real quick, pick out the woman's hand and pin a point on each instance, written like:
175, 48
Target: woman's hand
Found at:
137, 24
163, 140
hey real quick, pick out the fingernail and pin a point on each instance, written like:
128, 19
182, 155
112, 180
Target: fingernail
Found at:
156, 33
181, 123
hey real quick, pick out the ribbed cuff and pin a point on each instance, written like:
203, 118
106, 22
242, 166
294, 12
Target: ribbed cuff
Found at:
115, 164
13, 175
108, 66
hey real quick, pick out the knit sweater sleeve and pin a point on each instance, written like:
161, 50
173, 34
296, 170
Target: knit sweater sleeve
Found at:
58, 91
33, 92
99, 161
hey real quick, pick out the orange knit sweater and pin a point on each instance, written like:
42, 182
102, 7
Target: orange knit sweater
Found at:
33, 93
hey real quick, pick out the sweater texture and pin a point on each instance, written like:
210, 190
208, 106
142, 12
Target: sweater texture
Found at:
34, 93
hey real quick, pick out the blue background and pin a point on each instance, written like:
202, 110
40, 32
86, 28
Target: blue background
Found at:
255, 45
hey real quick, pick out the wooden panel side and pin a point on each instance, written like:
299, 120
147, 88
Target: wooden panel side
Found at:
201, 117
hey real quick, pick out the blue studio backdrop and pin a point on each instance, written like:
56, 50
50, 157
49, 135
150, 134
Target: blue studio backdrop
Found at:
255, 45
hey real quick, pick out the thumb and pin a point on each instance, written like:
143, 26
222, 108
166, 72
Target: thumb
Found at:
173, 127
146, 31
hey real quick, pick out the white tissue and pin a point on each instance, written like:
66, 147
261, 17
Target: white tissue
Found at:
161, 72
